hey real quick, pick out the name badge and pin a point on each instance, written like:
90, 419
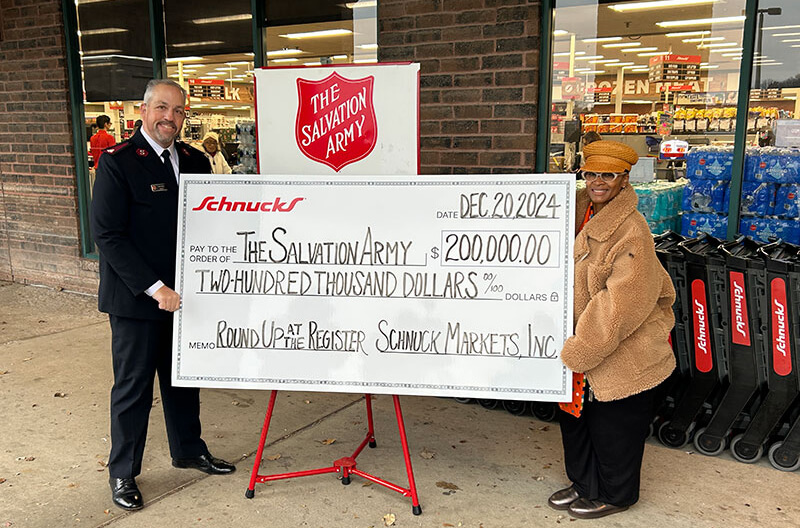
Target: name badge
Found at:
158, 187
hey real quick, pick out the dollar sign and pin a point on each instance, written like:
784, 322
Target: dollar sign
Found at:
435, 252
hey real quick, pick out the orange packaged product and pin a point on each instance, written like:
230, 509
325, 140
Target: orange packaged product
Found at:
604, 128
589, 127
630, 128
630, 118
591, 118
616, 118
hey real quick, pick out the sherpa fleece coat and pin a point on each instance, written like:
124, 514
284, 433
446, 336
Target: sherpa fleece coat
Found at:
623, 302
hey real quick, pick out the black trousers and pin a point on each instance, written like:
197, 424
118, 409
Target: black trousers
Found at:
139, 349
603, 448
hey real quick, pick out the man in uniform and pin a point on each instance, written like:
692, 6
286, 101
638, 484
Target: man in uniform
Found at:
134, 219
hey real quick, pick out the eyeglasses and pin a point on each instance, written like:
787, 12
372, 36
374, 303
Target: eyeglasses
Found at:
607, 177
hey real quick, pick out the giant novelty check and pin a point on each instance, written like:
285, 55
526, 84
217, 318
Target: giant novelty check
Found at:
427, 285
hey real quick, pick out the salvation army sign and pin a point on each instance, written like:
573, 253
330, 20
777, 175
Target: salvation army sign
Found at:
338, 120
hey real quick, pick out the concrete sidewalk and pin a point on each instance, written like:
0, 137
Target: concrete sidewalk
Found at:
474, 467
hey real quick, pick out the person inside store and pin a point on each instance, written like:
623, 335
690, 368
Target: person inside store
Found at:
137, 125
101, 139
211, 148
588, 137
619, 352
134, 219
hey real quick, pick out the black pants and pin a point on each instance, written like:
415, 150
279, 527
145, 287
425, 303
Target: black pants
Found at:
139, 349
603, 448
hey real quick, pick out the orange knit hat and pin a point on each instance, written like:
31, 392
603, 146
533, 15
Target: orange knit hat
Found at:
608, 156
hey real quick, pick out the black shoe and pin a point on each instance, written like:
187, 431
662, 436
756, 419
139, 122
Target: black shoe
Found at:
125, 493
205, 463
561, 499
593, 509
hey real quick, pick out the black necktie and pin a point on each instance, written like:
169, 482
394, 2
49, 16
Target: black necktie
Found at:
168, 164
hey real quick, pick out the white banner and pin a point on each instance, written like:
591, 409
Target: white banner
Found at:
349, 119
432, 286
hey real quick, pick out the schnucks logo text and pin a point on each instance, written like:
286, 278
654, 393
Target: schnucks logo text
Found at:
336, 123
211, 203
781, 351
740, 333
702, 343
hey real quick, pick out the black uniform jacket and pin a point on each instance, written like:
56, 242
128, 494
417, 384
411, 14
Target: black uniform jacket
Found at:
134, 220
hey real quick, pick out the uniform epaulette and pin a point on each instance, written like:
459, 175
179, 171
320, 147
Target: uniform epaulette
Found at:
117, 148
187, 149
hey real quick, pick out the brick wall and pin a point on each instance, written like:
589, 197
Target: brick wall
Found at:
39, 227
479, 79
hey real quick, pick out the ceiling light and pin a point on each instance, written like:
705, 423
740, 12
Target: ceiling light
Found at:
658, 4
189, 70
193, 44
688, 34
780, 27
317, 63
795, 46
589, 57
361, 3
321, 33
732, 54
591, 72
702, 21
709, 66
651, 48
718, 45
101, 31
566, 54
786, 34
220, 19
639, 70
622, 44
238, 63
790, 40
184, 59
602, 39
652, 53
367, 46
364, 61
284, 52
287, 59
621, 64
772, 64
603, 61
560, 32
226, 68
101, 52
704, 39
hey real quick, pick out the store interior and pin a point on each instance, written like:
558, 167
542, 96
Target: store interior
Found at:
604, 77
208, 54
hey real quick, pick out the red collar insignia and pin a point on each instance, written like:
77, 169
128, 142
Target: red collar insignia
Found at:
142, 152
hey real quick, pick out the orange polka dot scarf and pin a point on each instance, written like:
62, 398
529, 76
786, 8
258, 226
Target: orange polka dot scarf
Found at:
575, 406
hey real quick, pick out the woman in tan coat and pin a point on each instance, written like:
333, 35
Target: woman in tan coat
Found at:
620, 350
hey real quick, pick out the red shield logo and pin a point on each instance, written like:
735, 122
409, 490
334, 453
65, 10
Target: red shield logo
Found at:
336, 122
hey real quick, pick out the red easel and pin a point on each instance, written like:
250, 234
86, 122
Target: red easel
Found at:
345, 466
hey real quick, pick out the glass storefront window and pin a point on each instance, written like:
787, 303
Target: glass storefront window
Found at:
662, 78
321, 32
116, 63
770, 204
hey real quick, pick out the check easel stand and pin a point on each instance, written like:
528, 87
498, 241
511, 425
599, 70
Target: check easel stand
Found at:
344, 466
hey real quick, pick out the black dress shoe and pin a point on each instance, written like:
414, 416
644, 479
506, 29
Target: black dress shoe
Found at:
593, 509
205, 463
125, 493
561, 499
